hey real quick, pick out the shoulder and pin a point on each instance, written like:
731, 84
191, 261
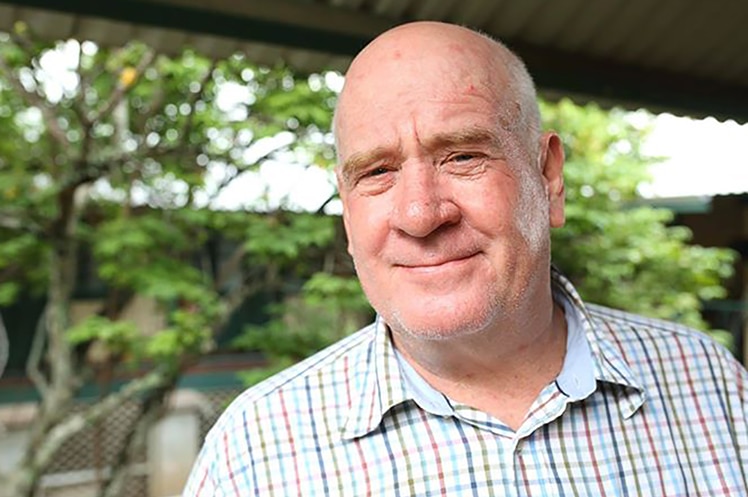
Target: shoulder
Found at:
282, 411
627, 326
321, 370
663, 349
303, 390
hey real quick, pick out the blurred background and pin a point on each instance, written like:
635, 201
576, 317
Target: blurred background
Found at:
169, 224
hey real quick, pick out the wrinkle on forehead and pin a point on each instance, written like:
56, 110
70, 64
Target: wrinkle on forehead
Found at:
448, 60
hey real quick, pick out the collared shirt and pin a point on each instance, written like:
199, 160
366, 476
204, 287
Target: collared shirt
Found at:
640, 407
576, 379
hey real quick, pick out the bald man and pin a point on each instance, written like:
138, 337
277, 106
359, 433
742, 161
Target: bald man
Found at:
484, 373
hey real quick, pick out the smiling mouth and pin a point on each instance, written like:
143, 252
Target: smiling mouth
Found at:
443, 264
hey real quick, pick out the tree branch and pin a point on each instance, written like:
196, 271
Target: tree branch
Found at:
234, 299
33, 99
35, 356
229, 268
12, 221
230, 177
153, 409
86, 79
77, 422
122, 88
189, 122
329, 199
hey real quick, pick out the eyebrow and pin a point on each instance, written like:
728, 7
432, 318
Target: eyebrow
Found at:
471, 135
361, 160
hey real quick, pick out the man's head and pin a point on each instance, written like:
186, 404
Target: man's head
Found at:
448, 186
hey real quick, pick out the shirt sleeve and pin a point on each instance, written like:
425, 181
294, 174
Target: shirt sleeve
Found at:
741, 416
202, 481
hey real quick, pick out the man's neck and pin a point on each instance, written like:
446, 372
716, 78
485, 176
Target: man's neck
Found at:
498, 371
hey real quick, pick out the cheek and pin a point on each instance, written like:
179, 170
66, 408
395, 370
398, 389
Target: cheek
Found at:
512, 212
366, 226
488, 209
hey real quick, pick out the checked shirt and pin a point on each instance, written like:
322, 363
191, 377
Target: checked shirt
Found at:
641, 408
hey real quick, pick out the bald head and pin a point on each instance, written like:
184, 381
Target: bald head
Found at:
448, 188
442, 56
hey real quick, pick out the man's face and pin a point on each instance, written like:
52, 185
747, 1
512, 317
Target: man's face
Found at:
446, 211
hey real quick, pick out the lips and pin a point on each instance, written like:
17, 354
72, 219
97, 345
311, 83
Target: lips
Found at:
437, 263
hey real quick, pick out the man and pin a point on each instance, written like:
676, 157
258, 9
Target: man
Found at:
484, 373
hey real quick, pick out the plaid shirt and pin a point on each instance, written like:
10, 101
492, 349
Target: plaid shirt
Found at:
641, 408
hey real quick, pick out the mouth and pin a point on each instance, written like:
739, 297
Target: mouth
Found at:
437, 265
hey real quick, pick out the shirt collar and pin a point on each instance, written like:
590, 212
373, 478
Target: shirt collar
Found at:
608, 363
387, 380
380, 387
577, 377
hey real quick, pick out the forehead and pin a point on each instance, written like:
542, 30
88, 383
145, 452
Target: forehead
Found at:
425, 81
425, 126
420, 102
413, 116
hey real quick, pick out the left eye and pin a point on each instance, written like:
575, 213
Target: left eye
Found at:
462, 157
377, 171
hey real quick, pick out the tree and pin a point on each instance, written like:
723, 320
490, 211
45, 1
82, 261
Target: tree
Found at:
327, 308
124, 163
616, 249
119, 158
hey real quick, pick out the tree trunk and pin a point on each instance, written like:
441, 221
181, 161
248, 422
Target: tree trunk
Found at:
153, 410
58, 395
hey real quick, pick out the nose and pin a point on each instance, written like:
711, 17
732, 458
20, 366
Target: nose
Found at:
422, 202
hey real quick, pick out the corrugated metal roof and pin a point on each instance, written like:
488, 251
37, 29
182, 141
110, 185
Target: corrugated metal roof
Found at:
684, 56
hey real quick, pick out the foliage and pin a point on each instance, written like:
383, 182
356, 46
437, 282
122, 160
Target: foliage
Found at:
118, 157
328, 308
616, 249
287, 236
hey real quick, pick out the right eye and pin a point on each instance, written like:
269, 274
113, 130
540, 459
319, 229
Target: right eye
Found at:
375, 180
377, 171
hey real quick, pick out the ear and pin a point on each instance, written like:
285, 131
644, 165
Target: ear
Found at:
552, 167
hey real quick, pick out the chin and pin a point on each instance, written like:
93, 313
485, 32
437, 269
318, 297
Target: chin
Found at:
443, 325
